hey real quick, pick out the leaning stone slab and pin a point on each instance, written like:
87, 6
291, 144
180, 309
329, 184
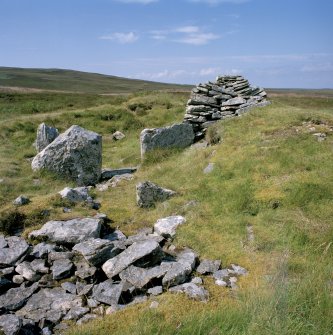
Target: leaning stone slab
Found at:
10, 324
191, 290
14, 298
68, 232
75, 154
148, 193
13, 249
176, 136
135, 252
107, 292
45, 136
96, 251
167, 226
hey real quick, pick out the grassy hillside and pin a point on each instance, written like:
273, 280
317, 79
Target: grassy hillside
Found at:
76, 81
271, 177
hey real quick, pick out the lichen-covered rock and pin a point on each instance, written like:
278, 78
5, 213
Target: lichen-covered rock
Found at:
148, 193
68, 232
176, 136
149, 250
61, 269
45, 136
75, 154
167, 226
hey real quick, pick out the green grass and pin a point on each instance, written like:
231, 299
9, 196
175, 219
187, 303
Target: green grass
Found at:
76, 81
270, 173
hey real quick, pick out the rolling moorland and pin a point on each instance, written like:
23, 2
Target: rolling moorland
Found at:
267, 205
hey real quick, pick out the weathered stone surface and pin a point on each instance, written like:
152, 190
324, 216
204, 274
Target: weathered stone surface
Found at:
148, 193
10, 324
78, 194
96, 251
14, 249
45, 136
167, 226
18, 279
197, 99
49, 304
14, 298
41, 250
76, 313
118, 135
56, 255
69, 287
84, 270
137, 251
38, 265
107, 292
157, 290
76, 154
221, 274
209, 168
61, 269
25, 269
196, 281
176, 136
87, 318
207, 266
83, 289
21, 200
191, 290
68, 232
140, 277
110, 173
237, 270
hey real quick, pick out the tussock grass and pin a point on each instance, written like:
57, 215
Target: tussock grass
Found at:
270, 173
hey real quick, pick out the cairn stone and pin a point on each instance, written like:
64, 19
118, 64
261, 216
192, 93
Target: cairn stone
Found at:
75, 154
45, 136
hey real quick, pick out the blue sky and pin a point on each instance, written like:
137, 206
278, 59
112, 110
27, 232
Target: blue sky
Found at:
274, 43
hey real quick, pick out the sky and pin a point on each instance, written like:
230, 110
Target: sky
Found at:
273, 43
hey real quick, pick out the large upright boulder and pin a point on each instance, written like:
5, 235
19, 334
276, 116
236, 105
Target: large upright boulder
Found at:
75, 154
45, 136
176, 136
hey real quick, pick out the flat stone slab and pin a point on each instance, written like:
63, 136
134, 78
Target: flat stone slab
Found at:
68, 232
107, 292
167, 226
133, 253
61, 269
14, 248
109, 173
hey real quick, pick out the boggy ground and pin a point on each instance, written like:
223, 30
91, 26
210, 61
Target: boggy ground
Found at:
267, 204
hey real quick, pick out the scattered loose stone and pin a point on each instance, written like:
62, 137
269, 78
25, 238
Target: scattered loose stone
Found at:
76, 313
148, 193
18, 279
78, 194
192, 291
209, 168
157, 290
68, 232
207, 266
167, 226
154, 304
21, 200
38, 265
76, 154
118, 135
69, 287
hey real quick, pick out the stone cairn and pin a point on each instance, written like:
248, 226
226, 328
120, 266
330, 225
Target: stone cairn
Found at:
228, 96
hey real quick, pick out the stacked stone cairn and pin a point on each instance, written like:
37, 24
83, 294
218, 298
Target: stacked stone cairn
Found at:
227, 97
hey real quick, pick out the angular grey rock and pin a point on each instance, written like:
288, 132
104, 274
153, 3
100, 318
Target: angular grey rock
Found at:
14, 249
148, 193
157, 290
61, 269
69, 287
92, 303
140, 277
237, 270
68, 232
154, 305
110, 173
45, 136
38, 265
234, 101
197, 99
10, 324
176, 136
83, 289
77, 194
137, 251
192, 291
197, 281
118, 135
49, 304
18, 279
21, 200
84, 270
107, 292
26, 271
76, 313
96, 251
14, 298
57, 255
167, 226
207, 266
6, 271
87, 318
41, 250
220, 282
221, 274
75, 154
117, 235
142, 236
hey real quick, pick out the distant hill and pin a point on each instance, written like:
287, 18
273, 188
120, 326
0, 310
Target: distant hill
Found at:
77, 81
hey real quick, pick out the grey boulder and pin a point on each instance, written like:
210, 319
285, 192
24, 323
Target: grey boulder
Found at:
148, 252
14, 248
167, 226
75, 154
68, 232
45, 136
61, 269
107, 292
78, 194
26, 271
191, 290
148, 193
10, 324
176, 136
